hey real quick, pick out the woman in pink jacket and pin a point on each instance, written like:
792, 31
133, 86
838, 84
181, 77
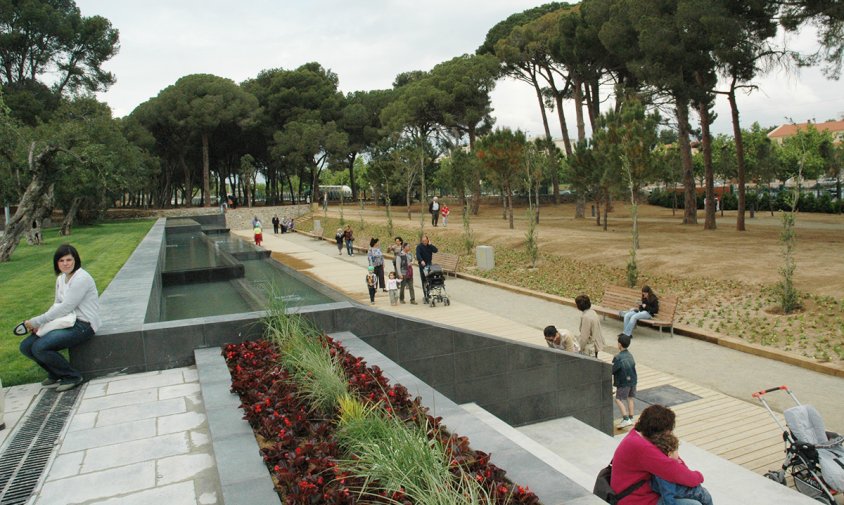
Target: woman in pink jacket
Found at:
637, 459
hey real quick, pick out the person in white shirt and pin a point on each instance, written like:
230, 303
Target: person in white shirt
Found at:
76, 295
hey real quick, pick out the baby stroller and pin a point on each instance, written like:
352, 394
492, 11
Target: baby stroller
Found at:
813, 456
435, 285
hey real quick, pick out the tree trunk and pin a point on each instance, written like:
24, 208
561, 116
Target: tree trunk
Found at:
606, 211
690, 211
561, 115
206, 173
38, 186
188, 196
580, 207
70, 216
555, 180
578, 109
352, 158
42, 211
510, 206
740, 167
476, 196
708, 170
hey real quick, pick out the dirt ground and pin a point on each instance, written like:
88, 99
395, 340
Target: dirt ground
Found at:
666, 245
722, 276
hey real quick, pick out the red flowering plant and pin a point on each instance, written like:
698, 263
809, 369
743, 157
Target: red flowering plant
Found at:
299, 445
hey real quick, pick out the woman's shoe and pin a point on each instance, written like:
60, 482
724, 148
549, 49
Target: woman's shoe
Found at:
68, 384
50, 383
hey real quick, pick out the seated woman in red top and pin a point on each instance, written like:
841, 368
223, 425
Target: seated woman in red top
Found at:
638, 459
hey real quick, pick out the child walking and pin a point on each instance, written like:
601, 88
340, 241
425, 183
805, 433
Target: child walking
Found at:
393, 288
371, 284
258, 230
670, 491
338, 237
624, 379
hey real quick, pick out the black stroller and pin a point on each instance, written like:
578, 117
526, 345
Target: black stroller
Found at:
435, 286
814, 457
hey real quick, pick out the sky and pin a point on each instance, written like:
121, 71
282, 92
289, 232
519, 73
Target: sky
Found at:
367, 43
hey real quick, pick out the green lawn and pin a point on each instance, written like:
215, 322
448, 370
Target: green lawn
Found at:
28, 282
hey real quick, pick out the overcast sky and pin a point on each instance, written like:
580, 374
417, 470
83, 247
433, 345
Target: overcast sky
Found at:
367, 43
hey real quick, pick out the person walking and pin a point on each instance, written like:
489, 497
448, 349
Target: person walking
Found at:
371, 283
338, 237
434, 209
404, 262
424, 256
276, 223
376, 260
258, 231
444, 212
349, 237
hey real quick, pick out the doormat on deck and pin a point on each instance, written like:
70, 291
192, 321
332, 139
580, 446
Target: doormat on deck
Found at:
665, 395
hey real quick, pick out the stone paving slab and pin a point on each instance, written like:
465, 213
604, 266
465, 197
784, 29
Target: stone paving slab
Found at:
125, 445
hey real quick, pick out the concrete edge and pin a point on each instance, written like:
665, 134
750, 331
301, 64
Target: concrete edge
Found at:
232, 438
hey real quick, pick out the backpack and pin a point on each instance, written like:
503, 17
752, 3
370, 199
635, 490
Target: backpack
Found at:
604, 491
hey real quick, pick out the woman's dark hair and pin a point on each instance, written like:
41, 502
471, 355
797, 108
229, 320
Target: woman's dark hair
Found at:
373, 241
583, 303
651, 295
655, 419
63, 251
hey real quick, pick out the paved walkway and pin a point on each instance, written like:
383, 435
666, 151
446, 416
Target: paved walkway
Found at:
725, 420
132, 440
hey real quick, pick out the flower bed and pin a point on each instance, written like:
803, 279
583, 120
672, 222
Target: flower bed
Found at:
300, 446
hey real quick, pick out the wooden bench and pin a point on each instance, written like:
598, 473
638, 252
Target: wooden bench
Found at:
617, 298
446, 260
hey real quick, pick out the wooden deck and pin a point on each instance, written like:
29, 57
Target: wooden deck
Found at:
737, 430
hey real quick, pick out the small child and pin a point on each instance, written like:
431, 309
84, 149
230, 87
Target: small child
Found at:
258, 230
624, 379
371, 284
669, 491
393, 288
338, 237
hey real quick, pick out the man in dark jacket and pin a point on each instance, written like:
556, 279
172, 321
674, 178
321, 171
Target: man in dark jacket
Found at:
424, 256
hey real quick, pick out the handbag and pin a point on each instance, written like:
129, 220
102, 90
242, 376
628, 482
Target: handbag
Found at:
57, 324
604, 491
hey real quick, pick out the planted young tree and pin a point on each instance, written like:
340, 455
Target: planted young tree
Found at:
802, 156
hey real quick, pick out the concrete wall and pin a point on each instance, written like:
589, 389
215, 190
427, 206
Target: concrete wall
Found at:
519, 383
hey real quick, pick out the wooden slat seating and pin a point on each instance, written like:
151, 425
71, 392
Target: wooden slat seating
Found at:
617, 298
446, 260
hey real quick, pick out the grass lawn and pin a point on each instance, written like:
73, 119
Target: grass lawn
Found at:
28, 282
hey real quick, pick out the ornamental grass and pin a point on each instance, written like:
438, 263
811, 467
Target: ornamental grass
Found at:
333, 430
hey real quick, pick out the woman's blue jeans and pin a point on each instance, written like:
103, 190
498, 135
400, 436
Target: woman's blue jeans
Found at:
630, 319
45, 350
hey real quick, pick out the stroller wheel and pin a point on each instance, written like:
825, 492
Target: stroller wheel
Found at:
447, 302
776, 476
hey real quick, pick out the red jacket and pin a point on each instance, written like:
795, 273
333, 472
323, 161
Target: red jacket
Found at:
636, 459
